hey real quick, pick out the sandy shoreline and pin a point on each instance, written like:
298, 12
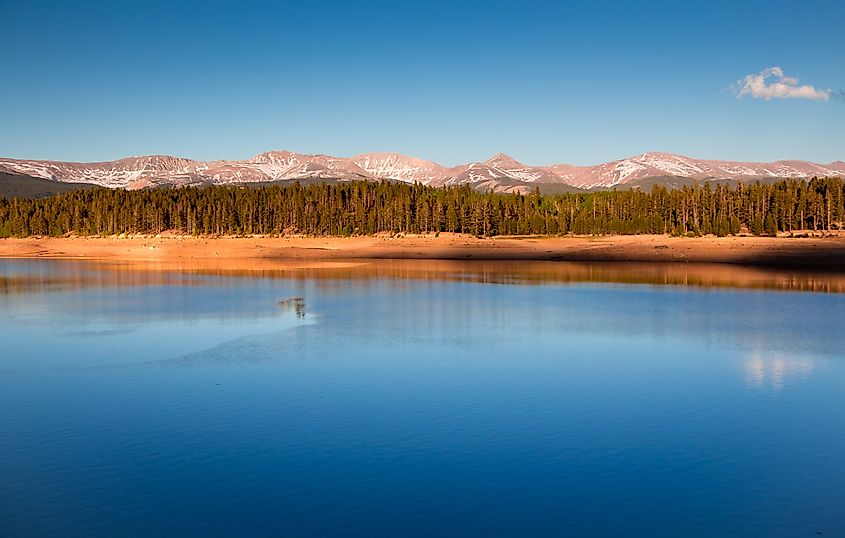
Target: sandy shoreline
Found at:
813, 253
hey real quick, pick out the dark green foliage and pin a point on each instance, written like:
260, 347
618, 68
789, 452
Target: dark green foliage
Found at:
360, 208
20, 186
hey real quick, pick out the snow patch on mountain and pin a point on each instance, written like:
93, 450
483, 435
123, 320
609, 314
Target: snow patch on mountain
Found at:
400, 168
500, 173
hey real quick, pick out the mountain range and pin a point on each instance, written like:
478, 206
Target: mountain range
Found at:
500, 173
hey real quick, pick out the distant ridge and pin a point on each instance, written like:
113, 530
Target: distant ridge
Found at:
20, 186
500, 173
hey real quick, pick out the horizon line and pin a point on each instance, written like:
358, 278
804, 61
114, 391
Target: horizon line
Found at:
465, 163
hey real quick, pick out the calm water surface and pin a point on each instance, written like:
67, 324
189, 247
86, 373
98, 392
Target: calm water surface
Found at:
420, 398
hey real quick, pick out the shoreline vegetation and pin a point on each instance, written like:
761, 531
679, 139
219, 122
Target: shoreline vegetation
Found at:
791, 223
816, 253
361, 208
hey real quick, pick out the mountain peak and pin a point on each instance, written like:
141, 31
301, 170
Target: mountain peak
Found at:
501, 160
656, 155
274, 157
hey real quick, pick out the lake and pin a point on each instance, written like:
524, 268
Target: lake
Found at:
420, 398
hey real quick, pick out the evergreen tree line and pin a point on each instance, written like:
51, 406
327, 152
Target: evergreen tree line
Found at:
366, 208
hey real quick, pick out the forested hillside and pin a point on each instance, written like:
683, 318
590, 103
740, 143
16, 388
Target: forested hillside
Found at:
366, 208
20, 186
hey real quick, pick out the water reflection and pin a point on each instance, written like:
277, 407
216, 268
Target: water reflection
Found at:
78, 314
26, 277
295, 304
775, 370
202, 395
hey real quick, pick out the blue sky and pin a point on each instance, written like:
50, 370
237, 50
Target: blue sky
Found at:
545, 82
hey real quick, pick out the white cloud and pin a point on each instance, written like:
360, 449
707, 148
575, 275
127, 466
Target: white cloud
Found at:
771, 83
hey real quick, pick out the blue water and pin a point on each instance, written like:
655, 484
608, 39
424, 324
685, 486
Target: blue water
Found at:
398, 402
